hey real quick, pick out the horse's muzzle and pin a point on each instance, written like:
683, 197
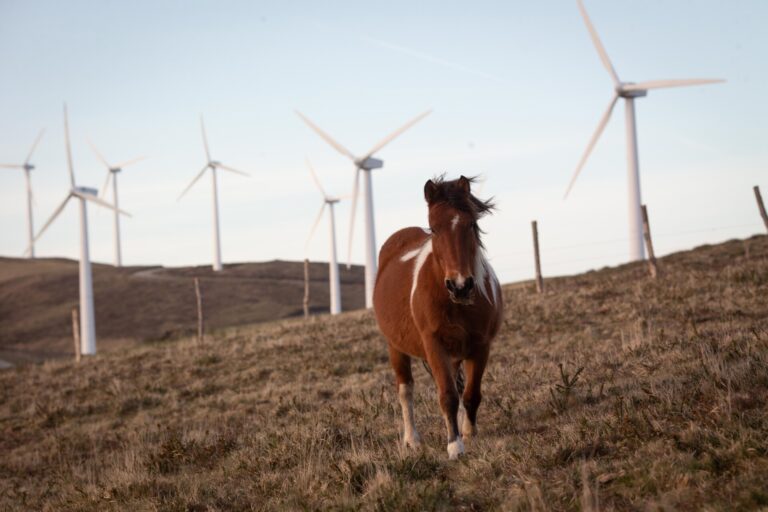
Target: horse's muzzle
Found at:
461, 294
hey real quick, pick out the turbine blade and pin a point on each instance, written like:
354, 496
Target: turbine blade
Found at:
352, 216
69, 148
106, 184
598, 44
661, 84
230, 169
11, 166
315, 178
596, 135
205, 138
396, 133
327, 138
99, 155
199, 175
34, 145
314, 226
50, 220
100, 202
132, 161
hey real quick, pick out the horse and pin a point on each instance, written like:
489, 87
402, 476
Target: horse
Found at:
437, 298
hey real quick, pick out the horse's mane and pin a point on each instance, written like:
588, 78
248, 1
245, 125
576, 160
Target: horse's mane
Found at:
450, 192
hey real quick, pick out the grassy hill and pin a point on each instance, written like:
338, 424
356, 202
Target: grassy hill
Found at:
136, 304
669, 411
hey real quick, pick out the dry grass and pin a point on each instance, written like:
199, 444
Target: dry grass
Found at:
136, 304
669, 411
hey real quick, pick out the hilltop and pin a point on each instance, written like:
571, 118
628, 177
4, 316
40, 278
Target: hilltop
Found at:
669, 410
140, 304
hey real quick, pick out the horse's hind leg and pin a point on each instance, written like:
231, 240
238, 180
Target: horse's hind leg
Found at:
401, 363
472, 395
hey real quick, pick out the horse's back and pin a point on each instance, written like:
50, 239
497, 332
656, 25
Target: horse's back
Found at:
391, 295
400, 243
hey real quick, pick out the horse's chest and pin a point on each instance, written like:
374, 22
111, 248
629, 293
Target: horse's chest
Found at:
459, 339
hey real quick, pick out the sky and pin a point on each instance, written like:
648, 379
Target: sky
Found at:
516, 89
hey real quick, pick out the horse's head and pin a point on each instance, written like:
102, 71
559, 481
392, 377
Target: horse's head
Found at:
453, 215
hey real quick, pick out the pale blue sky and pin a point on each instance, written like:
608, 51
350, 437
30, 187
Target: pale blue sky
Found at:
516, 88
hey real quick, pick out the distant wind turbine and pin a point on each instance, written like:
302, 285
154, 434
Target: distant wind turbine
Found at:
333, 265
365, 164
213, 165
27, 169
112, 171
84, 194
628, 91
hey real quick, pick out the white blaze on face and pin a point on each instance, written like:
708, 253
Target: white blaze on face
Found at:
454, 222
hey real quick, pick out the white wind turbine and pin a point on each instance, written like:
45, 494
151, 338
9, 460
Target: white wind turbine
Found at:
628, 91
27, 169
212, 165
84, 194
333, 265
112, 171
365, 164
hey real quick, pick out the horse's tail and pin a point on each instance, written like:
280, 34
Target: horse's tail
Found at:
460, 381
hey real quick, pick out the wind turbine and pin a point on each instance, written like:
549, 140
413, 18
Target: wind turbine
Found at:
627, 91
365, 164
333, 266
112, 171
84, 194
27, 169
212, 165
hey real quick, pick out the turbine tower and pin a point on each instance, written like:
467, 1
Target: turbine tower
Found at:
364, 164
628, 91
333, 265
27, 169
84, 194
212, 165
112, 171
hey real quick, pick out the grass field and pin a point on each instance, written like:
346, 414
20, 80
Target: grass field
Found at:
137, 304
608, 392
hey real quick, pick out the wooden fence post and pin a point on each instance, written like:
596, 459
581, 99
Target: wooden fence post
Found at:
76, 332
539, 279
306, 288
200, 321
760, 205
652, 266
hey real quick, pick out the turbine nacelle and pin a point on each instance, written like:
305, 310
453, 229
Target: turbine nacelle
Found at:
86, 190
214, 164
624, 92
369, 163
28, 167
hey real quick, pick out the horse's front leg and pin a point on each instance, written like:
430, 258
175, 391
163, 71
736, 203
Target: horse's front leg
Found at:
474, 367
401, 364
442, 370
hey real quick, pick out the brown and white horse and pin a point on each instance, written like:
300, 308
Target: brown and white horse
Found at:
438, 299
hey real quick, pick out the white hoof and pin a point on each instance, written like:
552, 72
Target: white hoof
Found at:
412, 440
455, 448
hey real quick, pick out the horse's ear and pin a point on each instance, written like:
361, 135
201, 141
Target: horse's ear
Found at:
430, 192
464, 184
